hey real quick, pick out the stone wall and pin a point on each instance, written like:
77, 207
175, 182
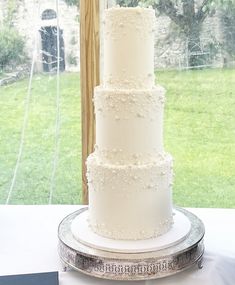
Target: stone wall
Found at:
170, 49
28, 22
168, 52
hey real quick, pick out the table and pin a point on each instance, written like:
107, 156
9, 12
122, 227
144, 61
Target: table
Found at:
28, 243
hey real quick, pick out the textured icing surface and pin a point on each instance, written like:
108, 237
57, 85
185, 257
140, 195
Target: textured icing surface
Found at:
129, 48
124, 119
119, 157
130, 202
143, 102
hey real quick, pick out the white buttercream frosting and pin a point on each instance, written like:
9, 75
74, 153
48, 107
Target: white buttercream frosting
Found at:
130, 202
129, 125
129, 48
129, 174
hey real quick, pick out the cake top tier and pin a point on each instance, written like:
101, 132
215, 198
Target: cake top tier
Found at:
129, 48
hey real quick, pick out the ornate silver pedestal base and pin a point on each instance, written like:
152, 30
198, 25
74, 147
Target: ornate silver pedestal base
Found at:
135, 266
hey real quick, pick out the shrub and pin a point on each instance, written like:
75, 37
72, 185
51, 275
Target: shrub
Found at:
72, 59
11, 47
72, 2
73, 41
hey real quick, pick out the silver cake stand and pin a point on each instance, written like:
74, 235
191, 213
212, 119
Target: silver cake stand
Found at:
134, 266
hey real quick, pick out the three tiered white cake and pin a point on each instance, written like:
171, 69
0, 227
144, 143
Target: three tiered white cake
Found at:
129, 174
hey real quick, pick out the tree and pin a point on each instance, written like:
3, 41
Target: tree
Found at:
228, 24
11, 48
189, 20
72, 2
188, 15
12, 44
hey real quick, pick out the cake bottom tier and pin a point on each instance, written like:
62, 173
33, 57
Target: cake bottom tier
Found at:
130, 202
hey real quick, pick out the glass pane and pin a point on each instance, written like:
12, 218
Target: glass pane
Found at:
40, 134
194, 61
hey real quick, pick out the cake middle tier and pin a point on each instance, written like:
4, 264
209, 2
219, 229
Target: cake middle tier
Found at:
129, 125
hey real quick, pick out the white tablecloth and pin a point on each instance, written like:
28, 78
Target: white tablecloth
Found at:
28, 243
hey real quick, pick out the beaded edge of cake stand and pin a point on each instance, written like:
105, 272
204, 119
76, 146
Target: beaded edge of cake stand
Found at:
138, 266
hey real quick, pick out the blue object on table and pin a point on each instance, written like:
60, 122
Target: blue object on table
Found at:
47, 278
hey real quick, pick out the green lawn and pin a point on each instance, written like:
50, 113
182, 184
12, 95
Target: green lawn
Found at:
199, 133
34, 176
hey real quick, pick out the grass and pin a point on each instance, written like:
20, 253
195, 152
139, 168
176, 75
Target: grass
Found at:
199, 133
33, 181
